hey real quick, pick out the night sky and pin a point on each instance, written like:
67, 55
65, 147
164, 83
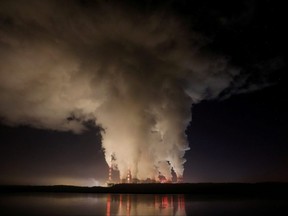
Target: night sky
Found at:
238, 134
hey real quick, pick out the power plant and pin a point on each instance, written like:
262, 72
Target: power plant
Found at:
129, 179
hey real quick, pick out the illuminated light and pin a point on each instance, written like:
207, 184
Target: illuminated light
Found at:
128, 206
108, 205
120, 203
110, 174
129, 176
164, 203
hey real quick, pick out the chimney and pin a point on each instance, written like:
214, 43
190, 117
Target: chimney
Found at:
179, 179
110, 170
129, 176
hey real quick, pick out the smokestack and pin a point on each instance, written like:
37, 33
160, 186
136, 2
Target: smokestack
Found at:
110, 169
179, 179
110, 174
129, 176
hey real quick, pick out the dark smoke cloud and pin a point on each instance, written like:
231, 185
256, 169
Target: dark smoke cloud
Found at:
135, 74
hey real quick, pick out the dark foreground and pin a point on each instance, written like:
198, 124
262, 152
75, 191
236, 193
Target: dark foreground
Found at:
205, 190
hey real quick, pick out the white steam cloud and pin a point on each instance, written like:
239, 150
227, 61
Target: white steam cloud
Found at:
134, 74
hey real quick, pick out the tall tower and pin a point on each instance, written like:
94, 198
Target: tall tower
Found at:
179, 179
110, 174
129, 176
110, 182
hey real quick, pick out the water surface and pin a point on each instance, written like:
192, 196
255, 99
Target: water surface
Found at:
134, 204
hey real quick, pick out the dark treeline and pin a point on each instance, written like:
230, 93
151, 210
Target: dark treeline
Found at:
257, 190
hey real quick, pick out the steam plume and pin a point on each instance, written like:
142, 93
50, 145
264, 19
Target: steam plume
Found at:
134, 74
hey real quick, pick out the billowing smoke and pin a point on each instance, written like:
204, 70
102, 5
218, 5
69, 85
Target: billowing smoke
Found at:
135, 74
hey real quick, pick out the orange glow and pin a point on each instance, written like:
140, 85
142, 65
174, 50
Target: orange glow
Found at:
108, 205
120, 203
128, 206
125, 204
181, 202
164, 203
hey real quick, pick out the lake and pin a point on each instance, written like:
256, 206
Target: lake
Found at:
134, 204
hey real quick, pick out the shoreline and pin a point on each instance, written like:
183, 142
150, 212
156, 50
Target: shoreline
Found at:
231, 190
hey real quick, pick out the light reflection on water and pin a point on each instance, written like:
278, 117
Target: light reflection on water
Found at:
135, 204
99, 204
128, 204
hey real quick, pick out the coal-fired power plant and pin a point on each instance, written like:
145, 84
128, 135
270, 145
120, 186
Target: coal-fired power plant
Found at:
130, 179
133, 75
